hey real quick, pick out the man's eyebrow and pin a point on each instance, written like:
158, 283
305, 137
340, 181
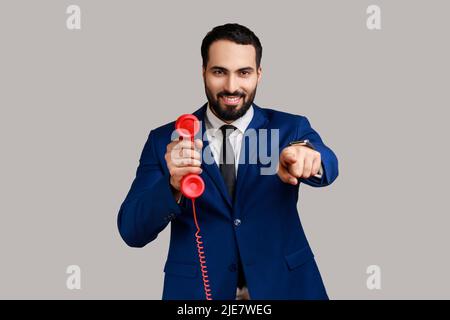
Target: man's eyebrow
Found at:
225, 69
246, 69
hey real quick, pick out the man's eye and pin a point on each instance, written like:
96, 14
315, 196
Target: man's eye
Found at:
244, 73
217, 72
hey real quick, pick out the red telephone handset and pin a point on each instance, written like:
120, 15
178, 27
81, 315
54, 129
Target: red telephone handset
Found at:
192, 187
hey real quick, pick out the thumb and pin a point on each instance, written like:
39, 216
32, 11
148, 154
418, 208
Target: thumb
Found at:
198, 143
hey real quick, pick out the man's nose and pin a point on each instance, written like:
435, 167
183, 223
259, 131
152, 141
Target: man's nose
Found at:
231, 84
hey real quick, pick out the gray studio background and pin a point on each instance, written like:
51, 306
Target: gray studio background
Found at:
77, 106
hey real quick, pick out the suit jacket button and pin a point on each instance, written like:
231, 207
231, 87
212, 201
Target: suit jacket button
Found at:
237, 222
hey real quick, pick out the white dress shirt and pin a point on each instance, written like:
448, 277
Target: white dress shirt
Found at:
215, 138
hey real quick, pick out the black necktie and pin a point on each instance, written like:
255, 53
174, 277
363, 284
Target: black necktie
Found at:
227, 164
228, 171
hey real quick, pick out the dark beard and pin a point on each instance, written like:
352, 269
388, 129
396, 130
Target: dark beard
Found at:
230, 114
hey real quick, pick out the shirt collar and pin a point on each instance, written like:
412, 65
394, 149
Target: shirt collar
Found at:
214, 123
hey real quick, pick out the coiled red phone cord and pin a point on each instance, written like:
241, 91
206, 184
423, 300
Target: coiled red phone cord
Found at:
201, 255
192, 186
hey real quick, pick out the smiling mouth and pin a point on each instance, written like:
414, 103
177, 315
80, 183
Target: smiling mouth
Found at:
231, 100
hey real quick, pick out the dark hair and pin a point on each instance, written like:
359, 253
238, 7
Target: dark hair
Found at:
233, 32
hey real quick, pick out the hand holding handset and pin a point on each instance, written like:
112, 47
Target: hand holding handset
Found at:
192, 187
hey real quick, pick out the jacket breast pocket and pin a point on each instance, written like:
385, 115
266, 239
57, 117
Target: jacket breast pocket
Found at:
181, 269
298, 258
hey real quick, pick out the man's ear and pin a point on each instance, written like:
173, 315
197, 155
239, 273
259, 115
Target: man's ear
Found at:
259, 74
203, 72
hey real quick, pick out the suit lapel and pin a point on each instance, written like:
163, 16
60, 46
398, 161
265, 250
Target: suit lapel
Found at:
211, 168
259, 121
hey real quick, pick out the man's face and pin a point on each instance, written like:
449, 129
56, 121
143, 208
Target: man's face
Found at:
231, 79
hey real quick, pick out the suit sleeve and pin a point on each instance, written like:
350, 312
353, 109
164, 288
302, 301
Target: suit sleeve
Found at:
329, 159
149, 205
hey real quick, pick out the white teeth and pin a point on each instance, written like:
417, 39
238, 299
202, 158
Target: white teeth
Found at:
233, 99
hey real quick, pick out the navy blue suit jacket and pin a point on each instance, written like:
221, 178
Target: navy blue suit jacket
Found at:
277, 259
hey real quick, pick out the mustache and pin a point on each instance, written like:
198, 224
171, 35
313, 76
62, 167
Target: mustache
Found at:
234, 94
